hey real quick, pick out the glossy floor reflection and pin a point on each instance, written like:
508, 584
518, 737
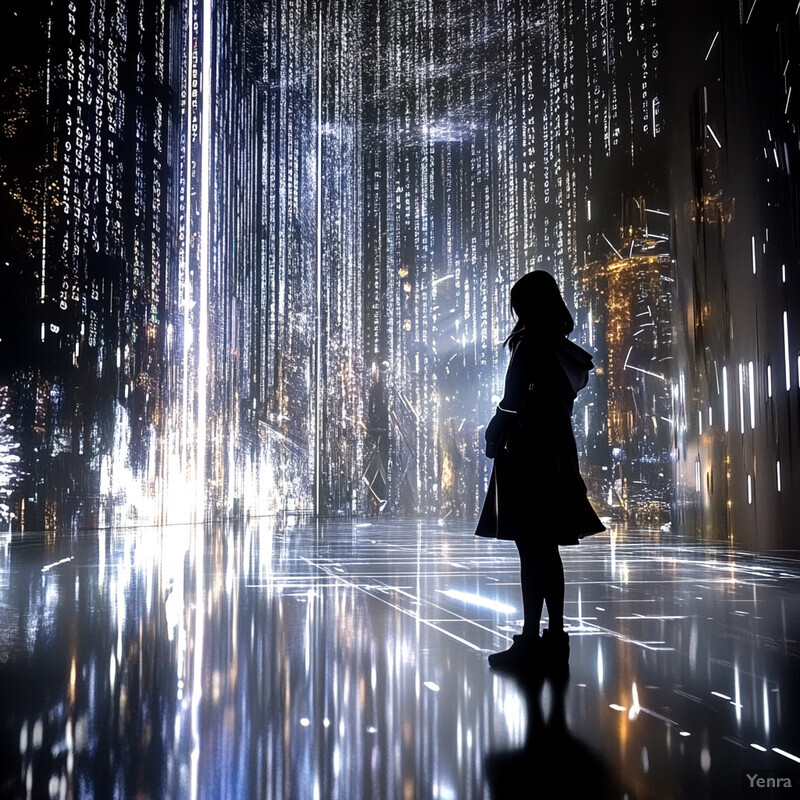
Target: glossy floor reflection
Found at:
347, 660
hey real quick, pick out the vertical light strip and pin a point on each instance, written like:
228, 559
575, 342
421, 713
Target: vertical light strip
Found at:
204, 265
725, 397
43, 293
318, 314
197, 648
769, 380
751, 385
778, 473
741, 398
699, 423
753, 249
786, 350
186, 438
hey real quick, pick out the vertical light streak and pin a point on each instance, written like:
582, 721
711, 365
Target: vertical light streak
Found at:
751, 385
769, 380
43, 292
778, 473
318, 315
753, 251
699, 423
187, 283
197, 645
204, 264
725, 398
786, 363
741, 398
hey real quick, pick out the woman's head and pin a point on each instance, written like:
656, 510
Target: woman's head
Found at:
537, 303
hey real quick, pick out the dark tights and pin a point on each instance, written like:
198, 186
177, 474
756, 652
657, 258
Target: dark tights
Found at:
542, 578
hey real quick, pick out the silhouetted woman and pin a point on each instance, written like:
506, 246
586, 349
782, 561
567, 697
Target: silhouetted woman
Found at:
536, 494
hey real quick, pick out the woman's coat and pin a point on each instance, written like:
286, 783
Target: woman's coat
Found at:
536, 490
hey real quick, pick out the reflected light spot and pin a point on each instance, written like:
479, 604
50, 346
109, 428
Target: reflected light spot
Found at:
785, 754
477, 600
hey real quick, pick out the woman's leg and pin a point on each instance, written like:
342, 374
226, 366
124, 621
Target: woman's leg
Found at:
532, 588
553, 576
542, 580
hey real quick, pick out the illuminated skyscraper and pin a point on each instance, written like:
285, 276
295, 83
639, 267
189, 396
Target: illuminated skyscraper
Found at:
632, 326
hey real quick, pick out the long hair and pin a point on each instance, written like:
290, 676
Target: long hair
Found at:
540, 309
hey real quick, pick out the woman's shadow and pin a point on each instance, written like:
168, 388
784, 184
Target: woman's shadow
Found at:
551, 762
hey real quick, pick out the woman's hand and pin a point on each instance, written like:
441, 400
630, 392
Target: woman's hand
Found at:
496, 430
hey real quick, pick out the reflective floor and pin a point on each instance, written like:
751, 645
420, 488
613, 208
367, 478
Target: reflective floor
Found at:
348, 660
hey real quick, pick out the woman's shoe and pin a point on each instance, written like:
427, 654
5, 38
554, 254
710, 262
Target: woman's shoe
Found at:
521, 655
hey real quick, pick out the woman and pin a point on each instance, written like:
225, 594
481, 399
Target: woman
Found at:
536, 494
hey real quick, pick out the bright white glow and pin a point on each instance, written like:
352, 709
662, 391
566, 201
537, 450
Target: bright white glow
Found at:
753, 252
788, 98
711, 47
750, 489
778, 473
616, 707
785, 754
741, 398
751, 385
769, 380
477, 600
697, 476
758, 747
635, 708
700, 423
434, 687
725, 397
786, 350
600, 668
714, 136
